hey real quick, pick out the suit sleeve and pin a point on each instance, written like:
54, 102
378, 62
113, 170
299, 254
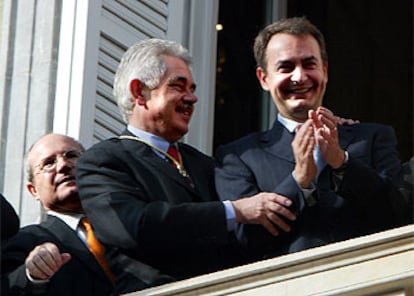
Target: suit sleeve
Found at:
129, 206
13, 269
10, 222
371, 179
235, 179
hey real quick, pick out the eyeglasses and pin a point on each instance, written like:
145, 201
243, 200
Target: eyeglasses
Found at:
48, 164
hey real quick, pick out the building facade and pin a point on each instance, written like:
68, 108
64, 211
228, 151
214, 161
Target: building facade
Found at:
58, 59
57, 63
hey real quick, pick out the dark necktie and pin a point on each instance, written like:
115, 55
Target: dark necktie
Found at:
97, 249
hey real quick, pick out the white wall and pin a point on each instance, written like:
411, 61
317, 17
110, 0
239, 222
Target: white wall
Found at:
56, 71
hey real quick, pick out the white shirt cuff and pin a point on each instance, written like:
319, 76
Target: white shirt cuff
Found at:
35, 281
230, 215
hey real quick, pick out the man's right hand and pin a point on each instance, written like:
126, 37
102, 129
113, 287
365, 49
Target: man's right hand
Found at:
302, 145
45, 260
267, 209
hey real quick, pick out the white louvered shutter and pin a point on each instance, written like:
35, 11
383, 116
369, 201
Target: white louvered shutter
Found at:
123, 23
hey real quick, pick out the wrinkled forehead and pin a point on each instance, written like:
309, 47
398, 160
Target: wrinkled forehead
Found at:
51, 145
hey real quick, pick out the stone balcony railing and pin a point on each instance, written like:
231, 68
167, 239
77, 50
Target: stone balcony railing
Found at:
378, 264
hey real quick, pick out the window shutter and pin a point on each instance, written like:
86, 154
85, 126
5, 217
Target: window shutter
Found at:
123, 24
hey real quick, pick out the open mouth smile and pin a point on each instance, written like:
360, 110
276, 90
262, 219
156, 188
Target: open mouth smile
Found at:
299, 91
186, 109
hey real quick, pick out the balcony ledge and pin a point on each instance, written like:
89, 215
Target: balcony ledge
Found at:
377, 264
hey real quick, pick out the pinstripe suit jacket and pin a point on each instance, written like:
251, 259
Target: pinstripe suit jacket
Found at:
363, 202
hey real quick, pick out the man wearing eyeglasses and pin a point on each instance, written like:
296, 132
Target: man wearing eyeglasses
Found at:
52, 258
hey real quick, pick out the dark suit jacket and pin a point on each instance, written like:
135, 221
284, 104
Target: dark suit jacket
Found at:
10, 222
157, 227
364, 201
82, 275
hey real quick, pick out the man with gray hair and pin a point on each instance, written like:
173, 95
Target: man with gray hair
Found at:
152, 198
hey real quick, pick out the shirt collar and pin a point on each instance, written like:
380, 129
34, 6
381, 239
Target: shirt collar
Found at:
71, 219
289, 124
154, 140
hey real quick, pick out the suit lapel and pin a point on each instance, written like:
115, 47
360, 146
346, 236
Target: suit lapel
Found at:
196, 168
143, 153
72, 243
345, 135
277, 141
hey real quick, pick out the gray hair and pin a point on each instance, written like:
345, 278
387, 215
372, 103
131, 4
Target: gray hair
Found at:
143, 61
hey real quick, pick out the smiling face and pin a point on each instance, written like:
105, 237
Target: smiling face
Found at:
295, 74
166, 110
56, 188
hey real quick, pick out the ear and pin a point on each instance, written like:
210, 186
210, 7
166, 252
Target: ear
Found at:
325, 71
33, 190
261, 75
136, 88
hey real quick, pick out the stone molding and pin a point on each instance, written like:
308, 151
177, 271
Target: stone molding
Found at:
377, 264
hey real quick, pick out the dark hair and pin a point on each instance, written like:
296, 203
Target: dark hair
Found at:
292, 26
